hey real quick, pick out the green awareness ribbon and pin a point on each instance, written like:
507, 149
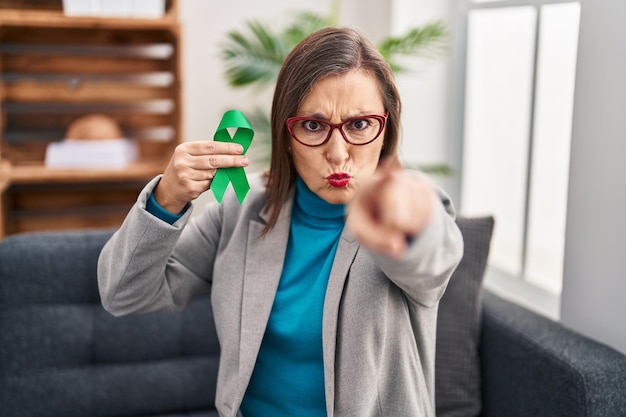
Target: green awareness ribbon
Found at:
235, 175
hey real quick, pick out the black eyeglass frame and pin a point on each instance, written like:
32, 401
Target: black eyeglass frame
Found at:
382, 119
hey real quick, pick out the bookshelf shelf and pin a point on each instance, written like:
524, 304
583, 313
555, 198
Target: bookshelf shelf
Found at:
54, 69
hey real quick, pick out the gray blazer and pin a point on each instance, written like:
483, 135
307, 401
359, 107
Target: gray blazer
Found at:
380, 314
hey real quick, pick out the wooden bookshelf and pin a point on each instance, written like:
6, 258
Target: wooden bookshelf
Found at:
54, 69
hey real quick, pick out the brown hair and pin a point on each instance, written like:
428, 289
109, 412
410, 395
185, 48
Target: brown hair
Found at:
327, 52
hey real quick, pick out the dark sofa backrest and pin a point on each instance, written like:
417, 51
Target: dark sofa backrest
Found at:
62, 355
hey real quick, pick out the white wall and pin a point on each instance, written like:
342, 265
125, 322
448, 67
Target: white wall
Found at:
594, 283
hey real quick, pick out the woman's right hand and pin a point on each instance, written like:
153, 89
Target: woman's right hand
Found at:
191, 170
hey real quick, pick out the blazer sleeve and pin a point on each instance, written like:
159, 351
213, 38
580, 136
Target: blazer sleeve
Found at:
150, 265
424, 270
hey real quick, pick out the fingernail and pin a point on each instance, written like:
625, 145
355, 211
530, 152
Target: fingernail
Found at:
245, 161
239, 149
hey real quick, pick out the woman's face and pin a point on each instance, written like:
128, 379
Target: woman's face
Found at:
335, 170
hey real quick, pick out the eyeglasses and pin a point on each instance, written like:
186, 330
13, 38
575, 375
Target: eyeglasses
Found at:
359, 130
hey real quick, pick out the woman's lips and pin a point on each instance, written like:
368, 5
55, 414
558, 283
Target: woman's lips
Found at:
338, 180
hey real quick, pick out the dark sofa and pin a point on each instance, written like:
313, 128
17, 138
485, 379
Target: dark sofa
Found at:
62, 355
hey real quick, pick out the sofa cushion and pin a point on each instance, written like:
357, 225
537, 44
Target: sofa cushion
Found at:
457, 365
62, 355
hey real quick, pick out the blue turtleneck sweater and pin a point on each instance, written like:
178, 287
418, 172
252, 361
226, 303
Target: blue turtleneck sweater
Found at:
288, 378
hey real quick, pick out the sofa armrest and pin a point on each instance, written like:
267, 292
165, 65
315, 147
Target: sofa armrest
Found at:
532, 366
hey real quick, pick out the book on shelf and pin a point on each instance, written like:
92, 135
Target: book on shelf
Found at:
91, 154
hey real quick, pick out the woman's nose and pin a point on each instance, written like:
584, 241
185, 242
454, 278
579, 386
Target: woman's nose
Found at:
337, 148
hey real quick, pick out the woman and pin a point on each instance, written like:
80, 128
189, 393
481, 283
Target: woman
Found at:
314, 318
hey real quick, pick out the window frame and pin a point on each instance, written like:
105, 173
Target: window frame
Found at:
515, 287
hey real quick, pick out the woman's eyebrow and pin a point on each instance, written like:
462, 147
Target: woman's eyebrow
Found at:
319, 116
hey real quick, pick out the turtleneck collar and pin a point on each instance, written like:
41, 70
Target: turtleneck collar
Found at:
316, 209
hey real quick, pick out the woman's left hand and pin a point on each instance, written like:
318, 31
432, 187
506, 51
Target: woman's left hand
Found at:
391, 208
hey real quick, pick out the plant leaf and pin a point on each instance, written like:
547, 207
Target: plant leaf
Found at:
428, 40
253, 57
432, 169
303, 25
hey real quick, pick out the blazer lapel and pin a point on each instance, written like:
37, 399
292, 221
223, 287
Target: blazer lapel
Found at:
346, 252
263, 267
264, 264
